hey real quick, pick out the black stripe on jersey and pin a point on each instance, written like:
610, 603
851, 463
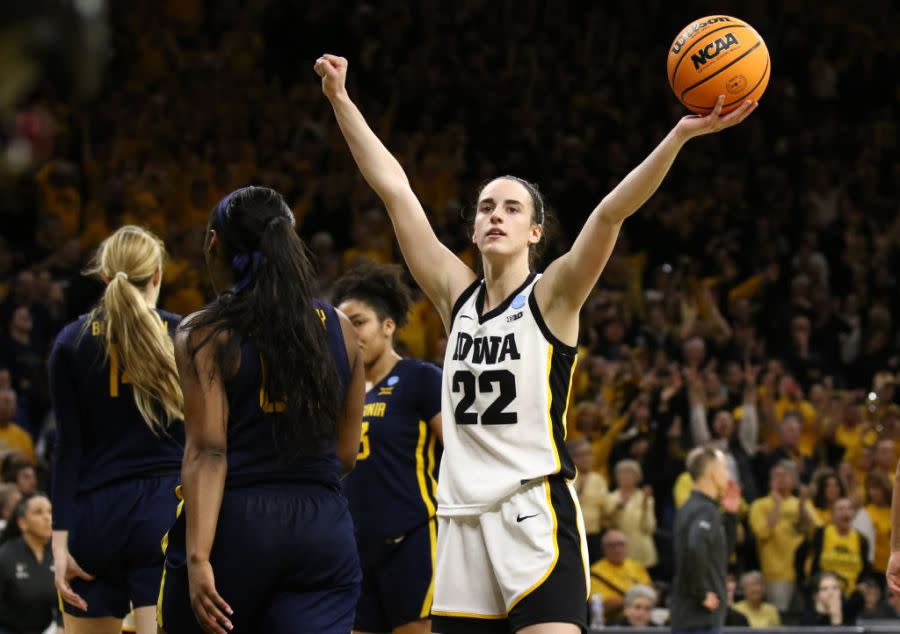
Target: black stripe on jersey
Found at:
545, 330
463, 297
560, 379
502, 306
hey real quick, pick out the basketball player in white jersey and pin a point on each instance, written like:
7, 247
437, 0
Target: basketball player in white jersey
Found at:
511, 550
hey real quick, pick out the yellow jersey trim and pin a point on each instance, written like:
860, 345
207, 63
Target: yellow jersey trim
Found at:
467, 615
429, 594
165, 546
552, 565
579, 521
565, 423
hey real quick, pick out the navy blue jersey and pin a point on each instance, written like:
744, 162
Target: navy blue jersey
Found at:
101, 437
392, 488
253, 454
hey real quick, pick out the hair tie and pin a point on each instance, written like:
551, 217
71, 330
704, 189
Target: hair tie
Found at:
122, 274
245, 266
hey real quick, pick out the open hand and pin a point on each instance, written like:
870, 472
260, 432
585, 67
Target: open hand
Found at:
209, 608
66, 569
893, 572
333, 71
696, 125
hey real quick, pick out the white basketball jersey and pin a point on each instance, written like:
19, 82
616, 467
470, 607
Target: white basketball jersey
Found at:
505, 391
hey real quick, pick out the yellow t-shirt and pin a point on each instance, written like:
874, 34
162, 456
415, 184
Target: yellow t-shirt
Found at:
612, 581
592, 498
14, 438
778, 545
852, 440
684, 484
766, 615
881, 520
808, 435
823, 515
842, 555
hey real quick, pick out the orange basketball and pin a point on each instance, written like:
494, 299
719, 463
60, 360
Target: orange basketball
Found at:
718, 55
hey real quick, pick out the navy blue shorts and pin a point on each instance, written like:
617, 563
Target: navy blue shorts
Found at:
284, 559
116, 538
398, 579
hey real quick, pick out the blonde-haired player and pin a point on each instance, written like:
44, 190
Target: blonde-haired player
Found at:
118, 407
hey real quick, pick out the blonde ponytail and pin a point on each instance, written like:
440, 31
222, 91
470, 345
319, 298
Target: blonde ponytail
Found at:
135, 337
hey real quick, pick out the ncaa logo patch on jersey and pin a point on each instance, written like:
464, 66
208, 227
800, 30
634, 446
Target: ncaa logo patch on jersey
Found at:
394, 380
518, 301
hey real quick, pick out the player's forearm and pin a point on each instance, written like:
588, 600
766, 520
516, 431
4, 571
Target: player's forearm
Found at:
378, 166
895, 512
60, 542
203, 482
636, 188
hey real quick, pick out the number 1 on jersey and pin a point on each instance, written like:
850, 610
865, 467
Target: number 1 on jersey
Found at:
114, 378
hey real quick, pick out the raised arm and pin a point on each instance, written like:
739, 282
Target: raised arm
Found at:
569, 279
441, 274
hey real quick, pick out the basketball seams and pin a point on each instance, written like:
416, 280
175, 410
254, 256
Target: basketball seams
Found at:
722, 70
689, 48
765, 76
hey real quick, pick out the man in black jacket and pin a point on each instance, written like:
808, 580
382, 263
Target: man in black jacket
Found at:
704, 539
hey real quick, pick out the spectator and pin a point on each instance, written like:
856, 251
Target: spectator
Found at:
826, 489
829, 607
631, 510
878, 506
733, 618
884, 458
789, 448
27, 594
21, 350
25, 478
839, 548
592, 490
758, 611
738, 444
639, 603
614, 575
873, 605
791, 402
780, 522
13, 437
9, 497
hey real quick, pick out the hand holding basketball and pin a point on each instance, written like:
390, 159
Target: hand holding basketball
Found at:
333, 71
696, 125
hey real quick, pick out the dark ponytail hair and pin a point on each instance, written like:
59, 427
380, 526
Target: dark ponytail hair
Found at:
272, 304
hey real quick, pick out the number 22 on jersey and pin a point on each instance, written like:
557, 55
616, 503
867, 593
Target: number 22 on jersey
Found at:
465, 382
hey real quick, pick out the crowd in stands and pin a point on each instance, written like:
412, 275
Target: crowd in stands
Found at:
751, 305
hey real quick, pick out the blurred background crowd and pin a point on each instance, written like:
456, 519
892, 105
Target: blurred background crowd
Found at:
752, 304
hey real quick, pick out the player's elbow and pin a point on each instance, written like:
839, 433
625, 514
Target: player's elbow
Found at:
348, 462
